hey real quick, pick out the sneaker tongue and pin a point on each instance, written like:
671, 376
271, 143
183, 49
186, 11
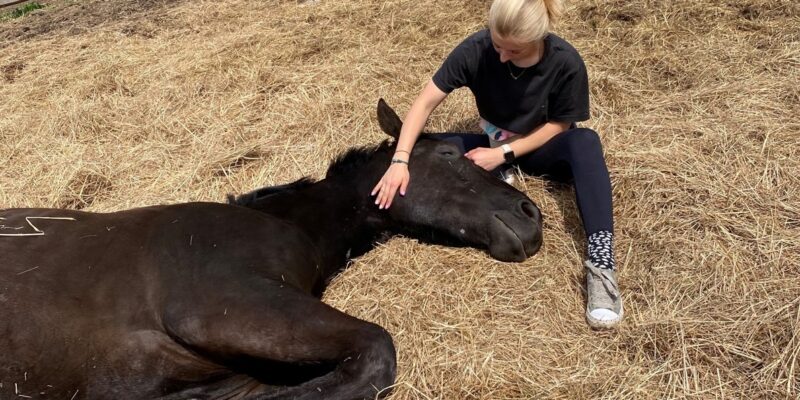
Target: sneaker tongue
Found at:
606, 277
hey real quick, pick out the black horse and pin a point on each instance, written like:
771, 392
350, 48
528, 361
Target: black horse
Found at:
207, 300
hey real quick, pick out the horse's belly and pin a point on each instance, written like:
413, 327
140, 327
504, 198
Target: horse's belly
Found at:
152, 365
113, 366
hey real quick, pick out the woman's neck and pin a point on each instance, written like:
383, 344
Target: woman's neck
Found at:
534, 58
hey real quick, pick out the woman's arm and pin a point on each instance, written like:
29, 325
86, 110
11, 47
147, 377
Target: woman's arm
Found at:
491, 158
397, 176
417, 116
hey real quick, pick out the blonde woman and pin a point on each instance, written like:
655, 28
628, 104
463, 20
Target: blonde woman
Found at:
531, 87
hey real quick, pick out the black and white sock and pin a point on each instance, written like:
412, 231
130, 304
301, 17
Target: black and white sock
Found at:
601, 249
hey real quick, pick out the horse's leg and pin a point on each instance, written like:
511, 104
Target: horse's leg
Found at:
286, 326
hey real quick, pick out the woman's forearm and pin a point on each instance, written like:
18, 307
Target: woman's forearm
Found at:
417, 116
538, 137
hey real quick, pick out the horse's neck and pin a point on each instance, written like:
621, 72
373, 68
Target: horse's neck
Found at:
334, 214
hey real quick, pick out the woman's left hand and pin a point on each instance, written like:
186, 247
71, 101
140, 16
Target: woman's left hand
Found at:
486, 158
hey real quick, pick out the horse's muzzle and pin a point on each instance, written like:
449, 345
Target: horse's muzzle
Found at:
515, 235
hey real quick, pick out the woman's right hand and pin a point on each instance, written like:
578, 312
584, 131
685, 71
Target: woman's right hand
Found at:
396, 177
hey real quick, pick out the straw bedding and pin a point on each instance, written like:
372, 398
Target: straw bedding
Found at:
107, 105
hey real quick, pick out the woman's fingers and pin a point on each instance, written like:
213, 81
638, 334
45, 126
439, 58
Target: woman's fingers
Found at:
376, 188
383, 196
389, 196
390, 189
388, 186
484, 157
381, 192
404, 185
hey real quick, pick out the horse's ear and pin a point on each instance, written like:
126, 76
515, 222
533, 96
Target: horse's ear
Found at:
388, 120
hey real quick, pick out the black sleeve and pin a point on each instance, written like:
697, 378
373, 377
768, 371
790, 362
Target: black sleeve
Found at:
458, 68
569, 100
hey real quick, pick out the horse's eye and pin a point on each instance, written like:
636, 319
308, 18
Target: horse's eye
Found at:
447, 151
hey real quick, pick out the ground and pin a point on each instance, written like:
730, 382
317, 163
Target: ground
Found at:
107, 105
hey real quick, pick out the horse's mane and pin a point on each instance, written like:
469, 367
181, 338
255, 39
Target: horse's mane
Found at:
355, 158
349, 161
251, 198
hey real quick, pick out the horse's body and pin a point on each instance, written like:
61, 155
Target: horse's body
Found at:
206, 300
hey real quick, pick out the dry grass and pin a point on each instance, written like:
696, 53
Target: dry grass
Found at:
116, 104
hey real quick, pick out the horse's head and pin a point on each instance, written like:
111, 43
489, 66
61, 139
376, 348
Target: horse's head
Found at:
449, 195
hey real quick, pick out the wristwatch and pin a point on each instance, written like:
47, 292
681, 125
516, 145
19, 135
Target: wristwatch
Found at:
508, 153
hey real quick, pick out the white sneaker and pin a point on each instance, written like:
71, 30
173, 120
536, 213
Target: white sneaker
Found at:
603, 299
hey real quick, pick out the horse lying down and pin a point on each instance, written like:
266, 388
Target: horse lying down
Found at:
222, 301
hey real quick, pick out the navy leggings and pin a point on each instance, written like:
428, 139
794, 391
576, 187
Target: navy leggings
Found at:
575, 156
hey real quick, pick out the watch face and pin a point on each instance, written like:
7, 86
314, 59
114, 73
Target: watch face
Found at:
509, 156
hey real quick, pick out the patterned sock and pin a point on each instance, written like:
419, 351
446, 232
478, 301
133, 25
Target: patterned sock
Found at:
601, 249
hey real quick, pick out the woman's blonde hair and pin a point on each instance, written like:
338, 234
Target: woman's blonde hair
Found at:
524, 20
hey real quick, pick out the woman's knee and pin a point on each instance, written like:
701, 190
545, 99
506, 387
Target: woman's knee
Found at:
582, 149
582, 139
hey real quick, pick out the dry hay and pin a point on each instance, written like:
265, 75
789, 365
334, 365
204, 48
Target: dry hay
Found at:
138, 103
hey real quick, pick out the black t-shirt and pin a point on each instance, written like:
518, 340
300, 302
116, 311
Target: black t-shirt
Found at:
555, 89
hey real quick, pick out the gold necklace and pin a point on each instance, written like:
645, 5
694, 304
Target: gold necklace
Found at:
515, 77
539, 53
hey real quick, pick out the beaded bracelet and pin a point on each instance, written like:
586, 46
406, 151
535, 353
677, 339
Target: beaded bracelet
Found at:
399, 161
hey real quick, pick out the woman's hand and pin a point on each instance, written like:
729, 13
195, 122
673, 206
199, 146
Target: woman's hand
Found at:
486, 158
396, 177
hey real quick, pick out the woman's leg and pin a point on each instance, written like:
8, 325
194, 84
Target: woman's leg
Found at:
578, 155
466, 141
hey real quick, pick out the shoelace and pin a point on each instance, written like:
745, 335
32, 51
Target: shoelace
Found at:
602, 274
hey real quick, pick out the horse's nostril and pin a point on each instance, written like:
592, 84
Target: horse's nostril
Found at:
529, 209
